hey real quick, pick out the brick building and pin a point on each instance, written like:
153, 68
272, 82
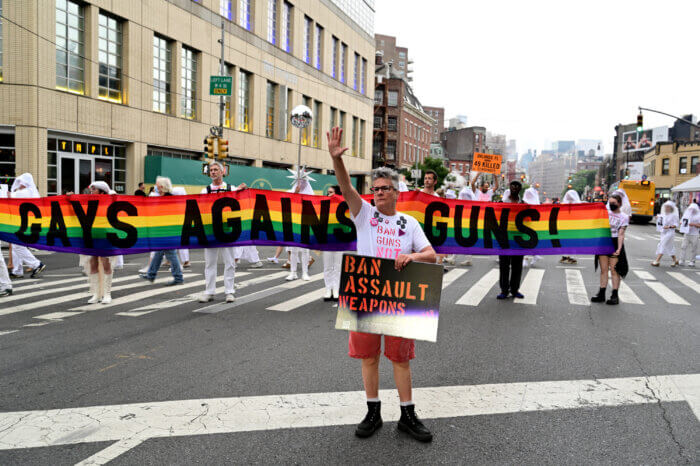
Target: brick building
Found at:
401, 127
460, 145
391, 53
438, 114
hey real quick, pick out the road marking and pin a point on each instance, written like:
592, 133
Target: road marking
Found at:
178, 418
75, 296
111, 452
37, 324
451, 276
666, 293
33, 281
479, 290
576, 288
57, 315
569, 267
531, 287
299, 301
644, 275
7, 332
638, 238
687, 281
41, 292
627, 295
249, 298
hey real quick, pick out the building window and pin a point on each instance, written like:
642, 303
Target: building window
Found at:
378, 97
682, 165
287, 27
361, 149
228, 100
305, 139
244, 14
7, 159
110, 57
317, 124
356, 75
353, 143
270, 115
226, 9
391, 150
378, 122
343, 62
0, 41
272, 21
188, 87
333, 122
70, 43
288, 115
391, 123
402, 54
172, 154
319, 48
363, 77
334, 60
244, 101
342, 127
665, 166
161, 74
694, 164
393, 99
308, 39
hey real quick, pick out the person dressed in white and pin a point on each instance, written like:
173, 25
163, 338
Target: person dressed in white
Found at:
690, 227
532, 197
616, 262
100, 268
667, 224
299, 255
332, 261
5, 282
24, 187
211, 255
570, 197
183, 254
249, 254
411, 245
625, 207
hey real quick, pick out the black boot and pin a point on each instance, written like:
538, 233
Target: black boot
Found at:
410, 424
600, 297
372, 421
613, 298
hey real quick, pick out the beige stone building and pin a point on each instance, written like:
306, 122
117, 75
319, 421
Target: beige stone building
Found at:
89, 90
669, 164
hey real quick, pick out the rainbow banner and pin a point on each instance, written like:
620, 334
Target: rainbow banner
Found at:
104, 225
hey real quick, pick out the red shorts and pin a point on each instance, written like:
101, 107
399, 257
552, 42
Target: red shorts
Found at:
368, 345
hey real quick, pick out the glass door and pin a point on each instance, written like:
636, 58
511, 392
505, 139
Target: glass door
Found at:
75, 173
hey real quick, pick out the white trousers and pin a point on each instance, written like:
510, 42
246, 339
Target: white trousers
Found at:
247, 253
21, 257
211, 260
297, 255
332, 263
689, 247
184, 255
5, 283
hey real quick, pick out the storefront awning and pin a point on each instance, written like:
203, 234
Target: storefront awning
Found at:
691, 185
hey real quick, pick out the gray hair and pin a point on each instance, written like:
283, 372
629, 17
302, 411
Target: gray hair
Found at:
387, 173
165, 183
215, 162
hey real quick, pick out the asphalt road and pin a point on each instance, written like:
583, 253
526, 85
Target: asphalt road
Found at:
148, 380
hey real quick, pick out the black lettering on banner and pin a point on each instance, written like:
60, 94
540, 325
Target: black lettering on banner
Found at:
553, 230
261, 220
132, 234
217, 220
532, 240
57, 227
309, 221
499, 231
86, 219
473, 226
341, 214
25, 209
193, 225
287, 225
444, 210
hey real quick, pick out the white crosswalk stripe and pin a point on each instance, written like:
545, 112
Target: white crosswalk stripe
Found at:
530, 287
666, 293
576, 288
638, 238
644, 275
479, 290
687, 281
627, 295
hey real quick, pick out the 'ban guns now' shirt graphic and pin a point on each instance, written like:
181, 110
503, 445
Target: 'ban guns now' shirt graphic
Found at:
387, 236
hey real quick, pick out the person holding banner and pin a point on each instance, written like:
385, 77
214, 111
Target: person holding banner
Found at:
182, 254
666, 225
5, 282
617, 261
570, 197
332, 261
411, 244
485, 192
532, 197
100, 268
511, 267
211, 255
300, 255
24, 187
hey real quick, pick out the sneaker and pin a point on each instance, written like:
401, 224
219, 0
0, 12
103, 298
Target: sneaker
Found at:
518, 295
12, 275
410, 424
372, 421
230, 298
655, 264
36, 272
274, 260
257, 265
328, 295
502, 296
691, 264
205, 298
674, 263
174, 282
146, 277
143, 270
466, 262
305, 277
564, 260
5, 292
291, 276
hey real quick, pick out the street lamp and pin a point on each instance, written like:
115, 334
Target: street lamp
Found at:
301, 118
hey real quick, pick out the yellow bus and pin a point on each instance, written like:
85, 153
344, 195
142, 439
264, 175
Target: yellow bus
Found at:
641, 195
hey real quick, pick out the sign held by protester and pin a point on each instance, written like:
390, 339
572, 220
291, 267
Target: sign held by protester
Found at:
487, 163
377, 298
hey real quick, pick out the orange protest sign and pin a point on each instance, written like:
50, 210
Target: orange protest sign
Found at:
487, 163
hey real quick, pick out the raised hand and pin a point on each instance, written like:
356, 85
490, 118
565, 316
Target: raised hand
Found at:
334, 146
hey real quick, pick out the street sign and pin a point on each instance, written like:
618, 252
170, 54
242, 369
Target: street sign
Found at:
415, 173
220, 85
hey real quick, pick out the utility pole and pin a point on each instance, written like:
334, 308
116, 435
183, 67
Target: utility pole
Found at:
222, 70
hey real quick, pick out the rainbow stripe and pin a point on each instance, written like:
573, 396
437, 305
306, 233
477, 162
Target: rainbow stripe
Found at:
132, 224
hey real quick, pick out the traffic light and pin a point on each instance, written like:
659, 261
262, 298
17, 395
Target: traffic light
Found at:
640, 122
223, 149
209, 147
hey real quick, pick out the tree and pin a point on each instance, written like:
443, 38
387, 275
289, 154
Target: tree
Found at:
580, 180
429, 163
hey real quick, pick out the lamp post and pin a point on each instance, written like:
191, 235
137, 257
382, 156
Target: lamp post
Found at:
301, 118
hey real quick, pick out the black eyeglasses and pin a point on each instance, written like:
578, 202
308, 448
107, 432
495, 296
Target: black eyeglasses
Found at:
384, 189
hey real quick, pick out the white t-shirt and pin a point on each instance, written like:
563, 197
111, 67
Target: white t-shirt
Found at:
617, 221
387, 237
216, 189
484, 196
467, 194
430, 194
685, 224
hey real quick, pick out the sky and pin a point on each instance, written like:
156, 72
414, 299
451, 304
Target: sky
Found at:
541, 71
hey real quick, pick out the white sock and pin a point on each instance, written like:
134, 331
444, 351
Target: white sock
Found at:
372, 400
406, 403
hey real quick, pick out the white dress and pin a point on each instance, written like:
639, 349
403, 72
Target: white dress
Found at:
666, 245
